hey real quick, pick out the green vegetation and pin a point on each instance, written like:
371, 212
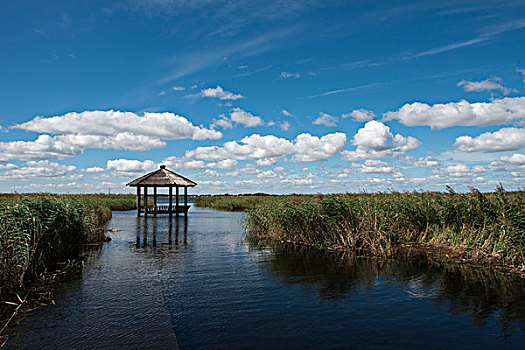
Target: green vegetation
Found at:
232, 203
379, 224
39, 230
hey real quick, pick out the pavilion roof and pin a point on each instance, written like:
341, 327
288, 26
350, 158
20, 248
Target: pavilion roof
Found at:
162, 178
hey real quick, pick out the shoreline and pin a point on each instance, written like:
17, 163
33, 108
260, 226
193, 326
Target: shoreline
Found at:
43, 236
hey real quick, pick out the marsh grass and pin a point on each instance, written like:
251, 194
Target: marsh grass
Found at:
39, 230
378, 224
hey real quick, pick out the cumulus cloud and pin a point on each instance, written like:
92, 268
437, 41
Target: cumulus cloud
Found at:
95, 169
44, 147
178, 88
266, 161
372, 166
360, 115
183, 163
123, 141
109, 130
165, 125
266, 174
516, 158
256, 147
245, 118
462, 113
506, 139
219, 93
485, 85
286, 113
325, 119
39, 169
130, 165
425, 162
374, 140
286, 75
8, 166
223, 122
312, 148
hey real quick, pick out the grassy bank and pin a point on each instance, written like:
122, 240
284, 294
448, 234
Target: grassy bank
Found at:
37, 231
379, 224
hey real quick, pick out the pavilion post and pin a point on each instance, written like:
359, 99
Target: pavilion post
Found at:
146, 201
170, 205
138, 200
177, 200
155, 201
186, 201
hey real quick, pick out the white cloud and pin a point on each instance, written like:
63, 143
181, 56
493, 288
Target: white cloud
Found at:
219, 93
130, 165
245, 118
95, 169
305, 148
178, 88
223, 121
457, 170
174, 163
266, 174
44, 147
118, 130
462, 113
425, 162
111, 123
360, 115
7, 166
39, 169
210, 173
286, 113
506, 139
224, 164
124, 141
325, 119
284, 125
309, 148
266, 161
372, 166
485, 85
374, 140
286, 75
516, 158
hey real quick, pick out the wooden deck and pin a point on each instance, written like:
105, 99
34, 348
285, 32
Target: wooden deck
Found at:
164, 209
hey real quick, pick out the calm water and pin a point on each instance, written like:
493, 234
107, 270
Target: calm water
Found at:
196, 284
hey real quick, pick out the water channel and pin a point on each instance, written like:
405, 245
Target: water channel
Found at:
197, 284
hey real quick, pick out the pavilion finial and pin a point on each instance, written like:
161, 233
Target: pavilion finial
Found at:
163, 166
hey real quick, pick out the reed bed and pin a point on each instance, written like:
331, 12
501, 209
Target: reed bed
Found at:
379, 224
39, 230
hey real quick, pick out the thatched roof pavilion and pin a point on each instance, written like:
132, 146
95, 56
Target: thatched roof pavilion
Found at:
162, 178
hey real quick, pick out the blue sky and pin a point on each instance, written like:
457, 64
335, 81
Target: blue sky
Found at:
271, 96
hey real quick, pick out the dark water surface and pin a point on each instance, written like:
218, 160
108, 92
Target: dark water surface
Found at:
196, 284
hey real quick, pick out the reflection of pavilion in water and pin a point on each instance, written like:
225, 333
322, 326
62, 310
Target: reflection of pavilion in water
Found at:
164, 230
